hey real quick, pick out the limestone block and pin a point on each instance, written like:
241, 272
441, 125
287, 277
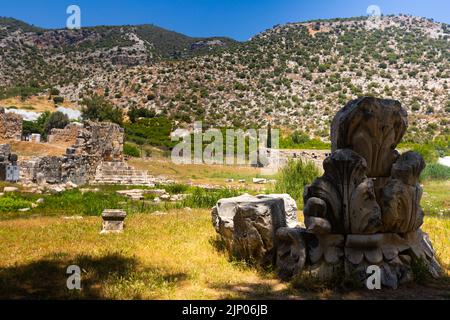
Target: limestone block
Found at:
247, 224
113, 221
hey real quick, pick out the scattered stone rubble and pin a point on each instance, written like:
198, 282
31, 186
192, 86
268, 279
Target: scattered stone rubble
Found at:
365, 209
160, 195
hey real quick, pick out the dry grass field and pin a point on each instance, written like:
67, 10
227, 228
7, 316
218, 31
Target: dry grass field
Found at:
25, 149
35, 104
200, 173
173, 255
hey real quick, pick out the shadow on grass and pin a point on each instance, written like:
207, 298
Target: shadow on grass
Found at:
46, 278
434, 290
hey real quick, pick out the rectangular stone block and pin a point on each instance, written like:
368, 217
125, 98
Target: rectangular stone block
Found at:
113, 221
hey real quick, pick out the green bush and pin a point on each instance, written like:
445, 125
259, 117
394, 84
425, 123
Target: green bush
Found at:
151, 131
427, 151
293, 178
131, 150
97, 108
58, 100
135, 113
13, 203
435, 171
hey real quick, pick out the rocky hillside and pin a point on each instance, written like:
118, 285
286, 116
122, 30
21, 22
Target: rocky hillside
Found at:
295, 75
42, 58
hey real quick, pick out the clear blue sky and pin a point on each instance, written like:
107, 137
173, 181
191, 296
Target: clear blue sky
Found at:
239, 19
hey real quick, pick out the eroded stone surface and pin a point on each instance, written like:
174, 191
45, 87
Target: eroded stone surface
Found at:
364, 211
291, 252
372, 128
247, 224
113, 221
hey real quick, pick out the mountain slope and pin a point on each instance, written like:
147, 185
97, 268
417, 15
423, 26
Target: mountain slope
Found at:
43, 57
295, 75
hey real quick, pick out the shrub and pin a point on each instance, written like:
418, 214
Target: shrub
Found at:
435, 171
176, 188
293, 178
151, 131
12, 203
428, 152
54, 92
299, 137
76, 202
131, 150
56, 120
58, 100
37, 126
135, 113
97, 108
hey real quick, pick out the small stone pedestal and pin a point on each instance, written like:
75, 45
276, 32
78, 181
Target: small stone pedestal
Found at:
113, 221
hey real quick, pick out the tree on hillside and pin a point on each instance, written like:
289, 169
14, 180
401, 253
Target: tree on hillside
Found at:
135, 113
37, 126
97, 108
56, 120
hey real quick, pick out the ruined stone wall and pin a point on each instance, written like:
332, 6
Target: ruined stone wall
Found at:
96, 142
279, 158
57, 170
101, 139
5, 151
68, 135
10, 126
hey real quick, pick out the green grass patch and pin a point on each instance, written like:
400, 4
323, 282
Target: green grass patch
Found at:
293, 178
10, 203
435, 171
131, 150
201, 198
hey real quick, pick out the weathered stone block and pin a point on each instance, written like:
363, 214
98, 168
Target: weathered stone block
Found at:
247, 224
113, 221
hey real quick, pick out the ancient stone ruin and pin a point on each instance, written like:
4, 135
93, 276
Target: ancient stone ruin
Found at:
10, 126
113, 221
364, 211
8, 164
96, 157
68, 135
